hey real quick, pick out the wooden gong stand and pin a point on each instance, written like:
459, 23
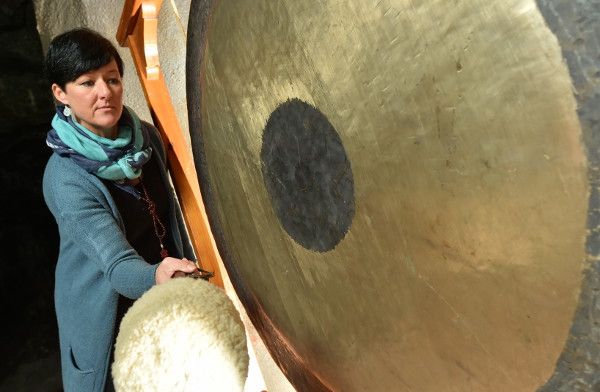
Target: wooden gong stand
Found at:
138, 30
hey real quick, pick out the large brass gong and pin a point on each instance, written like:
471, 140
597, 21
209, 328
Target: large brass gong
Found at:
398, 188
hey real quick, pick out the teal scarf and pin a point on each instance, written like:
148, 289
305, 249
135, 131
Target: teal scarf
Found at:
116, 160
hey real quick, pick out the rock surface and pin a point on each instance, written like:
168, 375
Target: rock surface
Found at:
28, 237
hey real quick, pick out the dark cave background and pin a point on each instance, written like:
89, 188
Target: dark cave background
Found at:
28, 234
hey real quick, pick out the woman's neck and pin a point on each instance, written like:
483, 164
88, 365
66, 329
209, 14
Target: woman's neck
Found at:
111, 133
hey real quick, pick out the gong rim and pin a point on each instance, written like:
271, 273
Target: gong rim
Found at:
295, 369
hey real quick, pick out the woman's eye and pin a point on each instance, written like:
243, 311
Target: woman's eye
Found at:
87, 83
114, 81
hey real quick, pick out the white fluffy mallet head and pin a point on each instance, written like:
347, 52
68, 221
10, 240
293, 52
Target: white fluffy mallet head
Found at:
183, 335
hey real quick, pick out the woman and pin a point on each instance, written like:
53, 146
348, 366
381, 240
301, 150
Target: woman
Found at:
106, 184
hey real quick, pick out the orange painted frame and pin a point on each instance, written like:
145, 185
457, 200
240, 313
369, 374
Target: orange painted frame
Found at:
138, 30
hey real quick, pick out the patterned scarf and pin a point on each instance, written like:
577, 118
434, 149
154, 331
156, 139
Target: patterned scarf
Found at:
115, 160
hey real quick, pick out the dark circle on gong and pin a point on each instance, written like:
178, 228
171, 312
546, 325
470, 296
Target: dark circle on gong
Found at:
307, 175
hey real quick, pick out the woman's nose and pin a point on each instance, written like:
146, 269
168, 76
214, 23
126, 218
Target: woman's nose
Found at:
104, 90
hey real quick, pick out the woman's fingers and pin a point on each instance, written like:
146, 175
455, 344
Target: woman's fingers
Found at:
183, 265
171, 267
189, 266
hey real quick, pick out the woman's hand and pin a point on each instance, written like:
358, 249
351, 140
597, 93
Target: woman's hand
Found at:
171, 267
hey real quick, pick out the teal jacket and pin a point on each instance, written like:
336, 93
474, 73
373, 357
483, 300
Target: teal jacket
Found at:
95, 265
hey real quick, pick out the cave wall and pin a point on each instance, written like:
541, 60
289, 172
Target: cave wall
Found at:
28, 237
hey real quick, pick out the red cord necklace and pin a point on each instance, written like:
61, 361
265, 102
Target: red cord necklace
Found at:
159, 228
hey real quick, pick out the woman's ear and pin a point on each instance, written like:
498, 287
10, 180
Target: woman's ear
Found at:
59, 94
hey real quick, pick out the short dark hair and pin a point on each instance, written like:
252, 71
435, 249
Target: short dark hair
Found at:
76, 52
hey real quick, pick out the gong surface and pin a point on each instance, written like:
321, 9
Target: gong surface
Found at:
398, 190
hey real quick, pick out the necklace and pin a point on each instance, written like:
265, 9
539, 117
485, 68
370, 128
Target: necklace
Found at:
159, 228
160, 231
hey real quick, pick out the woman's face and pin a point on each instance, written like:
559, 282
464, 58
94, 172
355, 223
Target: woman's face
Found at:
95, 99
